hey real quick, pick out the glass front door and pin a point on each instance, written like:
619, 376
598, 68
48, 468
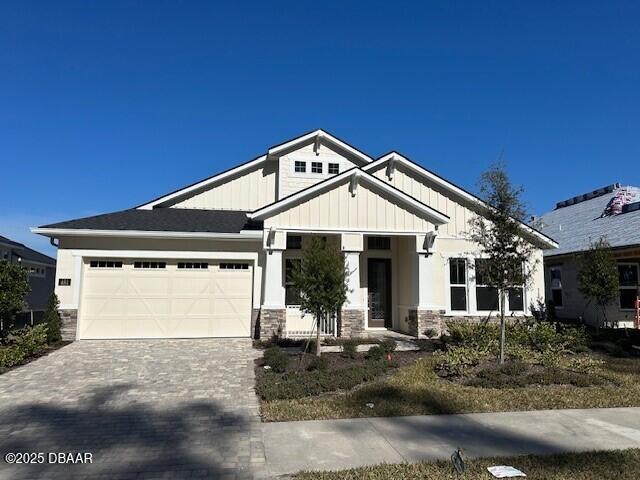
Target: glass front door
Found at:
379, 286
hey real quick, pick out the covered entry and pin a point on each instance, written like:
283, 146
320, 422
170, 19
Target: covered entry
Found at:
152, 298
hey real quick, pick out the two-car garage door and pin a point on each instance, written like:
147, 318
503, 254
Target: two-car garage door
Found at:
149, 298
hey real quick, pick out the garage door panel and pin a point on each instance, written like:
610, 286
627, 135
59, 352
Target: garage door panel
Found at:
165, 303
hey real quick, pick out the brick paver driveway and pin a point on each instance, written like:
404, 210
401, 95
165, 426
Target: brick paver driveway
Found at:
142, 408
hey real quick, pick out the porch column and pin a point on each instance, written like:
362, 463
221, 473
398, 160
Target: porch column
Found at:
426, 316
352, 315
273, 312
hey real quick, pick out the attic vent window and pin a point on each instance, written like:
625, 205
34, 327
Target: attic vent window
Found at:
300, 167
316, 167
334, 168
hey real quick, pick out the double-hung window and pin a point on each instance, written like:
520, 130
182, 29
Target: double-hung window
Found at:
516, 294
486, 296
555, 274
291, 293
628, 277
458, 283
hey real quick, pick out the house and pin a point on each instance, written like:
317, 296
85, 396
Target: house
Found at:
40, 268
214, 258
612, 213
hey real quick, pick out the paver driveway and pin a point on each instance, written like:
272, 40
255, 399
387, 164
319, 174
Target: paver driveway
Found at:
143, 408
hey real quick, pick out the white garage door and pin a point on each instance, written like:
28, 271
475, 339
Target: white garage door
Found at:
149, 298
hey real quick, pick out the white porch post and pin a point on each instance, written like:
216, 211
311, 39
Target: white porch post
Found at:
426, 299
352, 315
273, 311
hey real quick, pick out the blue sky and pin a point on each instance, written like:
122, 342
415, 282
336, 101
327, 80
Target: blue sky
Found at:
105, 105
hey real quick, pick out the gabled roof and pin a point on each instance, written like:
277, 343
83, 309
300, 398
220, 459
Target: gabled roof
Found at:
27, 253
318, 134
157, 220
576, 225
356, 174
459, 192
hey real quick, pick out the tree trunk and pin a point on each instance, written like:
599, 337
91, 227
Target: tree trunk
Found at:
502, 326
318, 336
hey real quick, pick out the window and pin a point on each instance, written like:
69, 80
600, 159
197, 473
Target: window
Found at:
556, 286
486, 296
234, 266
379, 243
628, 277
105, 264
291, 293
515, 295
334, 169
458, 282
316, 167
300, 167
193, 265
149, 265
294, 242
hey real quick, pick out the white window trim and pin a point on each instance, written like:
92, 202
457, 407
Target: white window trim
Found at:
449, 284
296, 255
296, 172
559, 268
628, 287
471, 292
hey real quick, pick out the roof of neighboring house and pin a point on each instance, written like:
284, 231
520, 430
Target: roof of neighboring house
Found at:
612, 213
26, 253
165, 220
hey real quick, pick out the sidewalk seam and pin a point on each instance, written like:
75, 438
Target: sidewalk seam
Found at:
368, 419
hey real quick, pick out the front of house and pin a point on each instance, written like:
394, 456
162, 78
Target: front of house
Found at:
214, 259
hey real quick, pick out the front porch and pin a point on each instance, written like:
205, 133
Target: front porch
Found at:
391, 286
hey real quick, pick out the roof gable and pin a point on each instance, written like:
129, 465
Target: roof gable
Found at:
319, 138
393, 158
352, 200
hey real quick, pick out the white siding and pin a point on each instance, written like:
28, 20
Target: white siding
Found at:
292, 182
430, 194
248, 190
370, 209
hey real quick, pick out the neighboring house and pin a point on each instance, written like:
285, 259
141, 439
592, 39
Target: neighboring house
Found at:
214, 258
40, 267
612, 213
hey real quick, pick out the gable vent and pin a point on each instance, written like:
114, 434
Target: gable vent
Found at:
588, 196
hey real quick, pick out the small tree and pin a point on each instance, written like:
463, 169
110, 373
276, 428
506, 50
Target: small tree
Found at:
322, 282
14, 285
52, 319
498, 233
598, 277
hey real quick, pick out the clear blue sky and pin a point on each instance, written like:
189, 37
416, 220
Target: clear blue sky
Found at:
104, 105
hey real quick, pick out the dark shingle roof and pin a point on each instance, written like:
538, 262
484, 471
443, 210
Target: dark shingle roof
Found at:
27, 253
577, 225
165, 220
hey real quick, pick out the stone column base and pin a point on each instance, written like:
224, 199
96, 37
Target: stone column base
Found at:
422, 322
351, 323
271, 322
69, 324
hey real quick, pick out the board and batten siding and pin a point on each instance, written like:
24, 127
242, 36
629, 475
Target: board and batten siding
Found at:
292, 182
370, 209
248, 190
421, 189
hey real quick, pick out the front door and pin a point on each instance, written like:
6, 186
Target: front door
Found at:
379, 285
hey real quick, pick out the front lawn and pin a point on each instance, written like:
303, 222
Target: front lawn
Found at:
417, 390
616, 464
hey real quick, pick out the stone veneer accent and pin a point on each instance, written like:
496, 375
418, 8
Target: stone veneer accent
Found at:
422, 320
351, 323
271, 322
69, 324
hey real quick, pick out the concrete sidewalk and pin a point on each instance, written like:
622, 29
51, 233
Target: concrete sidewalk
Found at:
338, 444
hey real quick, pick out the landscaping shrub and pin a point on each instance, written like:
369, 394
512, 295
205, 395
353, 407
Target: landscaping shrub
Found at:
431, 333
388, 345
349, 348
273, 386
479, 336
52, 320
24, 343
318, 363
276, 359
375, 353
584, 364
456, 361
